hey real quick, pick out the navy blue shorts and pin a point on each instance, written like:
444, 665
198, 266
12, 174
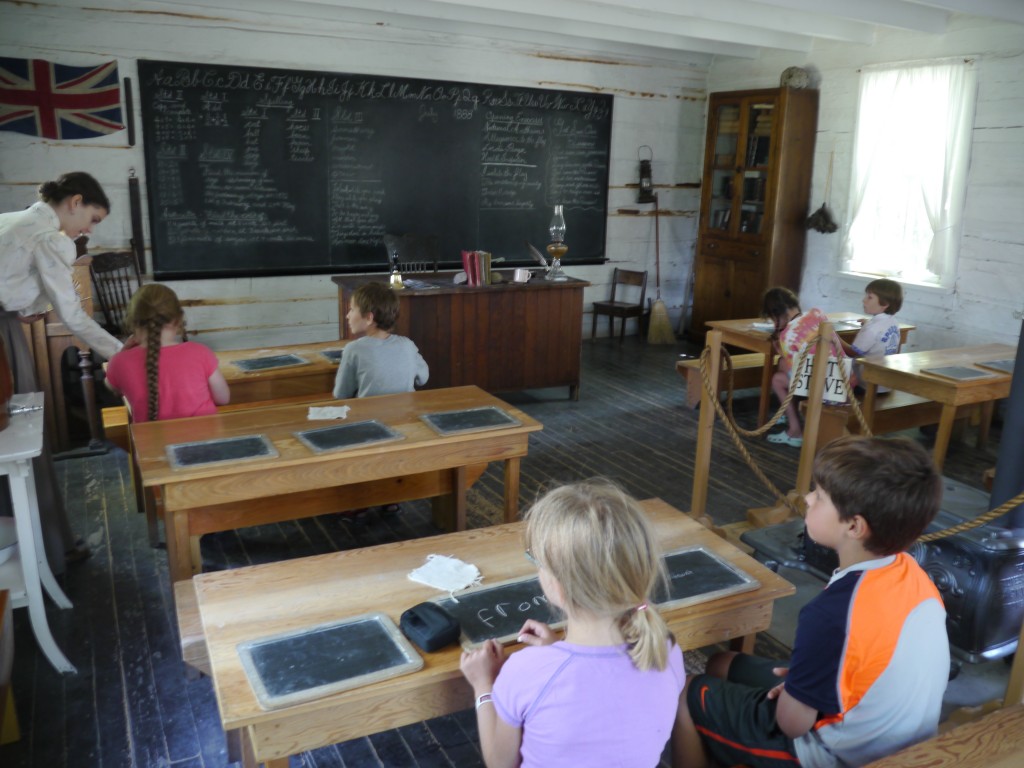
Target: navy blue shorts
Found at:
735, 718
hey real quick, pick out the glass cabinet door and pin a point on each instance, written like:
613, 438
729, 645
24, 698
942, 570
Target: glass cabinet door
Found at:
757, 156
740, 166
723, 176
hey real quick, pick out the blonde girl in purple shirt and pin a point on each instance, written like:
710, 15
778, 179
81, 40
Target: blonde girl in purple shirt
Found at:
608, 693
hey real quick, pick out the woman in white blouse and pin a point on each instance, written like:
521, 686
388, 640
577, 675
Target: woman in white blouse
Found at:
37, 250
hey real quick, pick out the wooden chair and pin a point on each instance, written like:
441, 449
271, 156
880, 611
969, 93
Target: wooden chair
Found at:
622, 309
416, 253
115, 277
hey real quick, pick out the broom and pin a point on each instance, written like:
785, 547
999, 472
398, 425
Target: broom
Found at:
659, 329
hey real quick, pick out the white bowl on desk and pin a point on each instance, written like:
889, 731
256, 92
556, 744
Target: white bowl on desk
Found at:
8, 538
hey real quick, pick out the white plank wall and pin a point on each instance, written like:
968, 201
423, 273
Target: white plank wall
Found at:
658, 102
987, 300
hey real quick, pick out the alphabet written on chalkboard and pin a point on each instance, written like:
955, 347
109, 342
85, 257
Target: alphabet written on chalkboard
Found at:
253, 171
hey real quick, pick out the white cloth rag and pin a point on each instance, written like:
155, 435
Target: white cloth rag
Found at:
447, 573
317, 412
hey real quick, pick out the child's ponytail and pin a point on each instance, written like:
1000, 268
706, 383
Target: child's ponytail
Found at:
645, 632
153, 327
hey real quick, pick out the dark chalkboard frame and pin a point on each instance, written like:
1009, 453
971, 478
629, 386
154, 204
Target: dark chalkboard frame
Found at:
257, 364
463, 161
408, 660
173, 452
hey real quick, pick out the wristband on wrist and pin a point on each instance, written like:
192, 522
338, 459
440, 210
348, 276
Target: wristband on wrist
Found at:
483, 698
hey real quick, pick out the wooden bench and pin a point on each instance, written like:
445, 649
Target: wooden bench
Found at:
894, 412
994, 741
747, 371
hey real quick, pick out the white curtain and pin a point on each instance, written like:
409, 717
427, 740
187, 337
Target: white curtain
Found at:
911, 158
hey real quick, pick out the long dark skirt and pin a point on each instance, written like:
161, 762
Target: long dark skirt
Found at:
57, 533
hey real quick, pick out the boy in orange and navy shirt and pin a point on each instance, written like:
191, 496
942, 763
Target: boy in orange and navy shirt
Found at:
871, 657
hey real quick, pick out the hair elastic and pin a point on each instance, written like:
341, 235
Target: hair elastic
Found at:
642, 607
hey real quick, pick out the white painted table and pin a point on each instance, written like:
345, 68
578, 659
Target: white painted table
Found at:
27, 572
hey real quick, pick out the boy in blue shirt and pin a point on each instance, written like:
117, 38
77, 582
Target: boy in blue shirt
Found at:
871, 657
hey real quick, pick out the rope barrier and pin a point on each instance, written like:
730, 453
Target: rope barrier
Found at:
735, 432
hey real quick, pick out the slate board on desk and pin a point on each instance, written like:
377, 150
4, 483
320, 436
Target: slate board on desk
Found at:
317, 661
220, 451
959, 373
469, 420
333, 355
1003, 366
498, 611
253, 364
697, 575
341, 436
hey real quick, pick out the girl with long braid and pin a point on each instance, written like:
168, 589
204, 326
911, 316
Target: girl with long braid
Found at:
165, 376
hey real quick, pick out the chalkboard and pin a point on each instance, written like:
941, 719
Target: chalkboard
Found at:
696, 575
219, 451
469, 420
336, 438
1003, 366
317, 661
498, 611
267, 363
255, 171
958, 372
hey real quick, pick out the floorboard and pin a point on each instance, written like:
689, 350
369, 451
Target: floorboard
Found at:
130, 703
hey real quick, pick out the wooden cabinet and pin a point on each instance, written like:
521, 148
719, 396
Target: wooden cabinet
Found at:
755, 191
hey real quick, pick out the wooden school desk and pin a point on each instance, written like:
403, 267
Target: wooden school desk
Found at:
300, 483
258, 601
905, 372
743, 334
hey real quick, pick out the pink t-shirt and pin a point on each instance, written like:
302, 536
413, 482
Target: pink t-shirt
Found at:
185, 371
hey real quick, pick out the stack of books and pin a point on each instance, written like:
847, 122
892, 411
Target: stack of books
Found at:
477, 265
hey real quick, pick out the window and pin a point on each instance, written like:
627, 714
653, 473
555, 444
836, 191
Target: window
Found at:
910, 162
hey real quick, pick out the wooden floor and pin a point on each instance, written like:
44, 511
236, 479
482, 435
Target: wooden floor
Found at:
130, 704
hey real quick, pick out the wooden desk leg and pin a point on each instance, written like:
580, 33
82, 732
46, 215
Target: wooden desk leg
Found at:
985, 422
34, 566
743, 644
459, 497
867, 406
766, 389
179, 548
942, 436
574, 392
511, 489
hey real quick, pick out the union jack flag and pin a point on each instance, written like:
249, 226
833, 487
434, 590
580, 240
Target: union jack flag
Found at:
56, 101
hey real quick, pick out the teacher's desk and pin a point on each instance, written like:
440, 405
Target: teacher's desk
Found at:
301, 483
502, 337
258, 601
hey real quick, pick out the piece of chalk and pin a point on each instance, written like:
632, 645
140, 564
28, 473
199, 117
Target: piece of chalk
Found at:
521, 639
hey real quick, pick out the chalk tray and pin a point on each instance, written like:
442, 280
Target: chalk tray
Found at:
469, 420
254, 364
220, 451
339, 437
322, 660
